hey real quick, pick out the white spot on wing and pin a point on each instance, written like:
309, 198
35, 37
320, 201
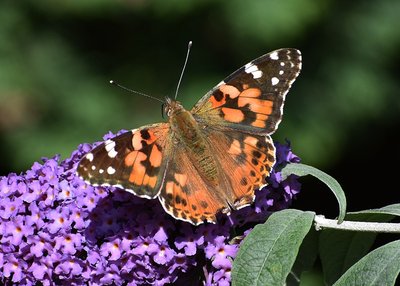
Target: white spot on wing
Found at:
281, 72
101, 171
253, 69
112, 153
274, 56
93, 167
109, 145
257, 74
274, 81
249, 68
89, 156
282, 64
110, 170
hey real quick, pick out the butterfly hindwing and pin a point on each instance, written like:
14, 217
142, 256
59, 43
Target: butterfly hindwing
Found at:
246, 159
251, 99
134, 161
240, 163
186, 194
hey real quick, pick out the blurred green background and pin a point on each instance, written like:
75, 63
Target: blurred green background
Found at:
342, 114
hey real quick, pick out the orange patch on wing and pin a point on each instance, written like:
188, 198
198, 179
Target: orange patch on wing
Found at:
181, 179
155, 157
137, 141
256, 105
261, 116
234, 149
130, 158
150, 181
232, 115
216, 103
250, 140
138, 170
258, 123
251, 92
169, 187
232, 91
151, 139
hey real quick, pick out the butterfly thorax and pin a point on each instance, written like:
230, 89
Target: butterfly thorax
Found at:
188, 134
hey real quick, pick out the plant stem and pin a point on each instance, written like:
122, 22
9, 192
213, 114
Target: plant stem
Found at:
322, 222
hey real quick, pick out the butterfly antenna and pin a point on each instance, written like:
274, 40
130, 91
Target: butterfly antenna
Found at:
183, 69
134, 91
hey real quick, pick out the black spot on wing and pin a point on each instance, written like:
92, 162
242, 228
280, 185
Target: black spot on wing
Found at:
218, 95
145, 134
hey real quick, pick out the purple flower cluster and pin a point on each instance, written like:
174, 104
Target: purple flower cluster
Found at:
55, 229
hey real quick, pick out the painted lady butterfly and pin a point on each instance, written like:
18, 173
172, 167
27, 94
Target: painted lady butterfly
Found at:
207, 160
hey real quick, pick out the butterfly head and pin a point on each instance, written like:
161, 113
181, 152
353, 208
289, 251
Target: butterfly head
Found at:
172, 107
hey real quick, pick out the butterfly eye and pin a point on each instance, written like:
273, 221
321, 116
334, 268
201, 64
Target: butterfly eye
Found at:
162, 110
166, 109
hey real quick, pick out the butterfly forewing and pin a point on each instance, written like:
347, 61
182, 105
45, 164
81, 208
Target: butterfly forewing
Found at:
134, 161
251, 99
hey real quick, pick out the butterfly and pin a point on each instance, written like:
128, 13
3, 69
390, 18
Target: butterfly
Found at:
210, 159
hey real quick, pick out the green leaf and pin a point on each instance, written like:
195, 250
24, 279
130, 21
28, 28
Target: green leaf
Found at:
303, 170
393, 210
339, 250
267, 254
306, 257
379, 267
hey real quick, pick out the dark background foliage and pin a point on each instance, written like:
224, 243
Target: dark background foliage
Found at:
342, 114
